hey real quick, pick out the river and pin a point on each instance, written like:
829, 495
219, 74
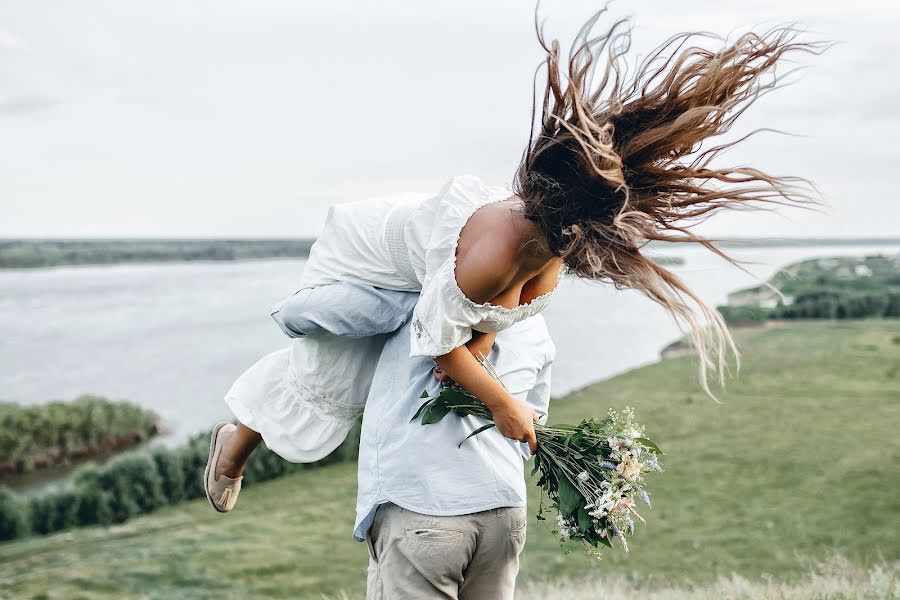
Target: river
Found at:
172, 337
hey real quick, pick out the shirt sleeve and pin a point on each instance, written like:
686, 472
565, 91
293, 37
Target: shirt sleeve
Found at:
443, 317
344, 309
539, 395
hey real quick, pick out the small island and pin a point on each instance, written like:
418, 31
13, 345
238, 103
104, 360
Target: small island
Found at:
56, 433
822, 288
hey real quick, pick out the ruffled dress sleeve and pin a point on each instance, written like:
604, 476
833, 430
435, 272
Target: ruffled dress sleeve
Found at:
443, 317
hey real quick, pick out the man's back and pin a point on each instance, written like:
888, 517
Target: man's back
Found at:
423, 467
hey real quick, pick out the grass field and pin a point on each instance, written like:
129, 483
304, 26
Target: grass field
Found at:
797, 464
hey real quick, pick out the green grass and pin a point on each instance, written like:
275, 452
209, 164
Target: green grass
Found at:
798, 463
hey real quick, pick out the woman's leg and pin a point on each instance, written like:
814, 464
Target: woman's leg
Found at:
343, 309
236, 451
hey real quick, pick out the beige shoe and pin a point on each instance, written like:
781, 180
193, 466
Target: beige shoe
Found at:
222, 493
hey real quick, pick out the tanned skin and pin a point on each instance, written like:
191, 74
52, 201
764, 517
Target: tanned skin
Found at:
502, 258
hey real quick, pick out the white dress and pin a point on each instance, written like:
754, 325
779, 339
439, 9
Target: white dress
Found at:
304, 399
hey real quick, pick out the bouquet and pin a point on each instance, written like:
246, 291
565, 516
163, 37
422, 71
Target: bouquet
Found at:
592, 473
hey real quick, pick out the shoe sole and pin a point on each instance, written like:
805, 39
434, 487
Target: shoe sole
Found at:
209, 465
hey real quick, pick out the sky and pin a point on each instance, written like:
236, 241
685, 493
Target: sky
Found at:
248, 118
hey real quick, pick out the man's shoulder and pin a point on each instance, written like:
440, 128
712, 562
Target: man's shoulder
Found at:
532, 333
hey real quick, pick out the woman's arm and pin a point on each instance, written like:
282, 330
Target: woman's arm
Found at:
480, 346
481, 343
514, 418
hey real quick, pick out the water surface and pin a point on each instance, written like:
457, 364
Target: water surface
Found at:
173, 337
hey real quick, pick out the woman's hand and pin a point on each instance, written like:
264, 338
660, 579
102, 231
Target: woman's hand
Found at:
516, 421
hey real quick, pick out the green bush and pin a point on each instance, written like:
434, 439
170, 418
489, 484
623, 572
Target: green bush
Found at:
133, 484
57, 431
141, 483
821, 304
94, 508
171, 474
840, 305
192, 457
13, 516
745, 313
54, 512
265, 465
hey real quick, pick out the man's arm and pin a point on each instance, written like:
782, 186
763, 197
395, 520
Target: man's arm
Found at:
344, 309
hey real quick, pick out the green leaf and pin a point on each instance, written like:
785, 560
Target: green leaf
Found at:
569, 496
421, 408
584, 520
651, 445
455, 395
604, 540
434, 413
564, 427
537, 465
476, 432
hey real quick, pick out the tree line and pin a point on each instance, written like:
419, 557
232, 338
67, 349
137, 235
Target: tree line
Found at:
822, 304
22, 254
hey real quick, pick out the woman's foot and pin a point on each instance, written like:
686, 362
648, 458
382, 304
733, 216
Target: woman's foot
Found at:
221, 490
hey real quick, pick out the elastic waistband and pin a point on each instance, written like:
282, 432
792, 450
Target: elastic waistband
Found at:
395, 240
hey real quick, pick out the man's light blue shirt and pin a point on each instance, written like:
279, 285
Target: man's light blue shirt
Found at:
423, 468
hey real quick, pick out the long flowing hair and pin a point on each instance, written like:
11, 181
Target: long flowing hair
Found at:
617, 159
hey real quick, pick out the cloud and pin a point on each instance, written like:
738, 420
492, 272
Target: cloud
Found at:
24, 104
10, 41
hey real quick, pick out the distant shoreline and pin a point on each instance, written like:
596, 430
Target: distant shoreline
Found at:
35, 253
806, 242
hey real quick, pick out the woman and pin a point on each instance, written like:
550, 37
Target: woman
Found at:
609, 167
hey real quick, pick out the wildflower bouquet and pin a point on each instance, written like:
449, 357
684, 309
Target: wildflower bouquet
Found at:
592, 473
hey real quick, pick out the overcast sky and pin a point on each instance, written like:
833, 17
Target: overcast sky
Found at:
248, 118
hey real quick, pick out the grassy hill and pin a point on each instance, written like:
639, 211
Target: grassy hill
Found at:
796, 464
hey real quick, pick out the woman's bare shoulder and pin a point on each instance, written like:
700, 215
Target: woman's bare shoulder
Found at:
487, 255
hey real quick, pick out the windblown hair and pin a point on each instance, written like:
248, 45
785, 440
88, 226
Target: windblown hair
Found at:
616, 164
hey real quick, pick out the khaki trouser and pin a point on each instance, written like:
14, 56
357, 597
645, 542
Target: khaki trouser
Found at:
466, 557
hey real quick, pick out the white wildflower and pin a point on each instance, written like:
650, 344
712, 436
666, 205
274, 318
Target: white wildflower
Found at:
564, 530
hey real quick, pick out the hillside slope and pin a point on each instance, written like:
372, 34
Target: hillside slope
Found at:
797, 463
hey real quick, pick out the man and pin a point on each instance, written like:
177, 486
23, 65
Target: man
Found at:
443, 520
